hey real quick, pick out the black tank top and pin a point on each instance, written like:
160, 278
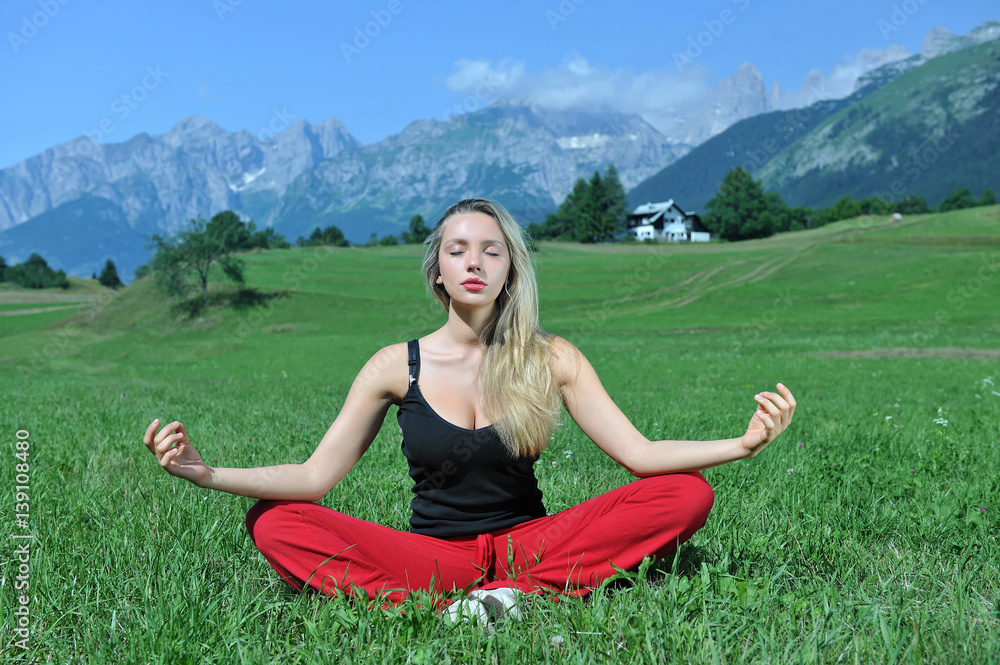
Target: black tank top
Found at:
465, 480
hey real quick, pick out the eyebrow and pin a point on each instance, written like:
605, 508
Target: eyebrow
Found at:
463, 241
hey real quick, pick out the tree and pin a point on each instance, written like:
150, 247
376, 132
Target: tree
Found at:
418, 231
844, 208
987, 199
267, 238
588, 223
374, 240
189, 256
874, 206
3, 266
911, 205
109, 276
229, 231
958, 199
611, 204
740, 210
35, 273
331, 235
593, 211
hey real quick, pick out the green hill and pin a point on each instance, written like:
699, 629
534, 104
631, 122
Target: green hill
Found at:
851, 275
928, 132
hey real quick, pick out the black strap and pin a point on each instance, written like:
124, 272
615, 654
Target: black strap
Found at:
414, 361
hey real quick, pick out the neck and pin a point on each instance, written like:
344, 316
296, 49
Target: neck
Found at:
464, 326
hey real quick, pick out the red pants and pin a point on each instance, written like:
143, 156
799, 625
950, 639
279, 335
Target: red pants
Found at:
567, 552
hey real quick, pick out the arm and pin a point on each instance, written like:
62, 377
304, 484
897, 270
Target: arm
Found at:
339, 450
589, 404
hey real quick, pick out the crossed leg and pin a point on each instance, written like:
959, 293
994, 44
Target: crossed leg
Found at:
309, 544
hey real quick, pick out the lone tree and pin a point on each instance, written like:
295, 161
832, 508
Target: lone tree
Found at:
109, 276
189, 256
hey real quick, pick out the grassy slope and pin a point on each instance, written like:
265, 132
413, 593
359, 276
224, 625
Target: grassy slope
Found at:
929, 102
864, 543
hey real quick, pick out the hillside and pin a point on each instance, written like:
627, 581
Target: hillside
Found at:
846, 279
928, 132
862, 144
751, 143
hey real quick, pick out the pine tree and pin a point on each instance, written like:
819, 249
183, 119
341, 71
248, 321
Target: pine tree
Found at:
109, 276
740, 210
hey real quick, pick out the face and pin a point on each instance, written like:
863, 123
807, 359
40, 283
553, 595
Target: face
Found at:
474, 259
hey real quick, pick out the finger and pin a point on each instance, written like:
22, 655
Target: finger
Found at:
165, 432
788, 396
765, 404
766, 419
777, 399
168, 443
168, 457
147, 438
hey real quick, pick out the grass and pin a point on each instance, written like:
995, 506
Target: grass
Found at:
866, 533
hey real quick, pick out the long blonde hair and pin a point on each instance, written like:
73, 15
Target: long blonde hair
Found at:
519, 393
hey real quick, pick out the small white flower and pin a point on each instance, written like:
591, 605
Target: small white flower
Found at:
988, 381
888, 418
996, 393
791, 471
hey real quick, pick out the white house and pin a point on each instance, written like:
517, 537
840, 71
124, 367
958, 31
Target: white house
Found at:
666, 221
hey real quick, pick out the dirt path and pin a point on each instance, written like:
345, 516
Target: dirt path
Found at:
38, 310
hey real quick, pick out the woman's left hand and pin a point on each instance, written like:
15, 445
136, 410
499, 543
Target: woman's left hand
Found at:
773, 414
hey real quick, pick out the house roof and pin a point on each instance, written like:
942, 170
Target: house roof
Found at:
649, 208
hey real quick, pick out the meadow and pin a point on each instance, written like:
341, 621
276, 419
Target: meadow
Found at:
867, 533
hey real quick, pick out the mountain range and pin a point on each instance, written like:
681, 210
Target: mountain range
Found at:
924, 125
81, 202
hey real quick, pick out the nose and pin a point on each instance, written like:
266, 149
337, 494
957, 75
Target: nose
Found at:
473, 261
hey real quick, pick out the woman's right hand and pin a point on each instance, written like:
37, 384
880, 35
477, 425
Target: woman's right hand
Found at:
181, 460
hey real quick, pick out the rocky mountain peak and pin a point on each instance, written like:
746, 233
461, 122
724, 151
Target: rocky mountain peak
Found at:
192, 128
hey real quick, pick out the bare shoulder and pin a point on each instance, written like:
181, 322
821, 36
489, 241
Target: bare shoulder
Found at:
386, 373
564, 359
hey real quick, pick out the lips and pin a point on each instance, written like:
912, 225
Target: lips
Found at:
474, 284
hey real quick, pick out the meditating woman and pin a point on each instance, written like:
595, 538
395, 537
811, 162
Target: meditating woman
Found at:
478, 399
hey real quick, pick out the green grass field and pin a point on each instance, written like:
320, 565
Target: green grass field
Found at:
867, 533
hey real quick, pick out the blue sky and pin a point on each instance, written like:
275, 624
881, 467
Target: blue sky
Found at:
73, 66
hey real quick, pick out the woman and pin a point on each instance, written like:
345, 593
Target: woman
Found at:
477, 401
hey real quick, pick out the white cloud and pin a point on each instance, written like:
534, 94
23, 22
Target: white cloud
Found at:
576, 83
843, 77
673, 102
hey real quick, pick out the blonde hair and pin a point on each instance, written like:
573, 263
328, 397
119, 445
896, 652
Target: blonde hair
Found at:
519, 393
